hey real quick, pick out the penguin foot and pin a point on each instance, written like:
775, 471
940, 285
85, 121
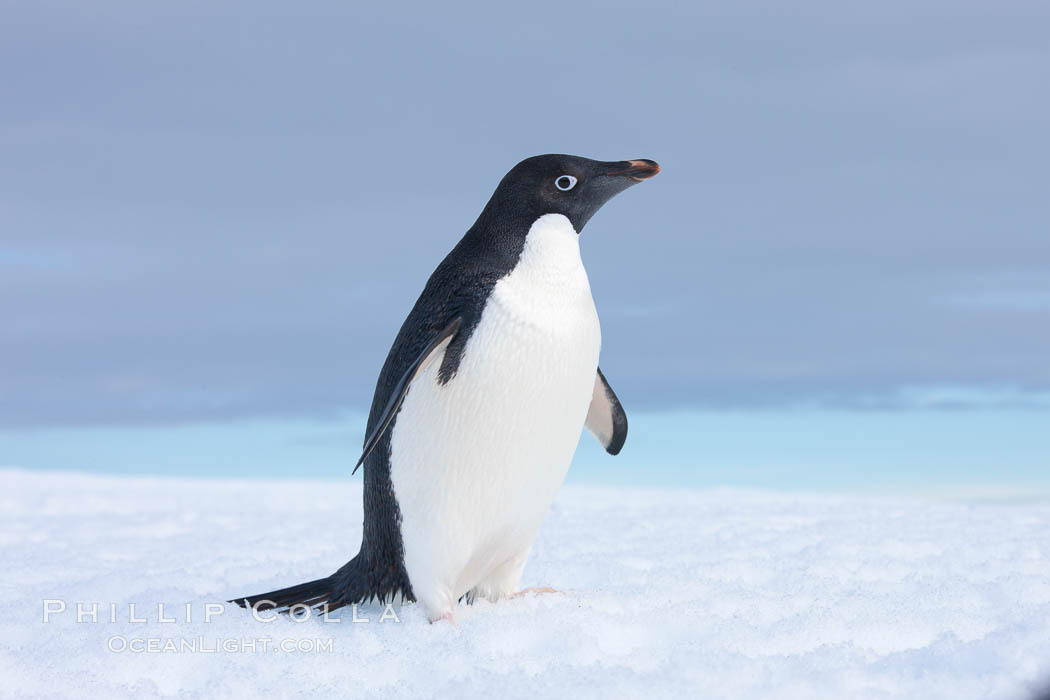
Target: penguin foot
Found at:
448, 617
534, 590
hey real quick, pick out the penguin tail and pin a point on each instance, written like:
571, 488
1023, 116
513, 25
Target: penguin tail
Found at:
310, 594
350, 584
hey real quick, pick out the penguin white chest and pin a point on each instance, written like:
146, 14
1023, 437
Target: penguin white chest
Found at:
476, 463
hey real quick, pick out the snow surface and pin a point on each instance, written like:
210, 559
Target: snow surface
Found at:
709, 593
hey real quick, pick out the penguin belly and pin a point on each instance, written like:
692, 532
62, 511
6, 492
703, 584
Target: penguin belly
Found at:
475, 463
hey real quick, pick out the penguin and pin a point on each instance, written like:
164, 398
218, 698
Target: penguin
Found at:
480, 404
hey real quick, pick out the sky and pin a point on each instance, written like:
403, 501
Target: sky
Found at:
215, 216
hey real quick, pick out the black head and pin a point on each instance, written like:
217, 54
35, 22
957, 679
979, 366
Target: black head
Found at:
559, 184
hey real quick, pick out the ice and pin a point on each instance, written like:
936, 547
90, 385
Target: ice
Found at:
714, 593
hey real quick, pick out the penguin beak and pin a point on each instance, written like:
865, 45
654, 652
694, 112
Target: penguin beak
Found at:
637, 170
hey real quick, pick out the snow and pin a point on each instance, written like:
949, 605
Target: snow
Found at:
714, 593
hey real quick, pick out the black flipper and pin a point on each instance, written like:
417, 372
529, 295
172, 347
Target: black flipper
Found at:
401, 388
606, 418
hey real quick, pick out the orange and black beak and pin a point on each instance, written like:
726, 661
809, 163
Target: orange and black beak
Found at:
638, 170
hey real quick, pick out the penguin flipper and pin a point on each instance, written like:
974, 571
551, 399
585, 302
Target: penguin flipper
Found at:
439, 342
606, 418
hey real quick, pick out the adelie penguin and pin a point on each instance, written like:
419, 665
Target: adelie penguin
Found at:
481, 401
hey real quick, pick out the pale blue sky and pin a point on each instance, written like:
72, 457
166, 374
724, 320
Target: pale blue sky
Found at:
216, 215
941, 451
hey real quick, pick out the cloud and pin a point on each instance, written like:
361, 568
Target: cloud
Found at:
214, 212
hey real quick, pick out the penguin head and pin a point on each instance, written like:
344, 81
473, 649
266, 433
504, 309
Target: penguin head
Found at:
570, 185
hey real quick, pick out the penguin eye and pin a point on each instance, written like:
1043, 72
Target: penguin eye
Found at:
565, 183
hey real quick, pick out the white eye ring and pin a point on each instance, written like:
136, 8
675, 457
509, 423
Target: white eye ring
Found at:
565, 182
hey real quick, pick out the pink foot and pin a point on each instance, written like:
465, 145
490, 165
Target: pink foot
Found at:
446, 617
535, 591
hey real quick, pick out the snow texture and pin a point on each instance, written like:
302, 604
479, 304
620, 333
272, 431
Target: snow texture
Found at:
709, 593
